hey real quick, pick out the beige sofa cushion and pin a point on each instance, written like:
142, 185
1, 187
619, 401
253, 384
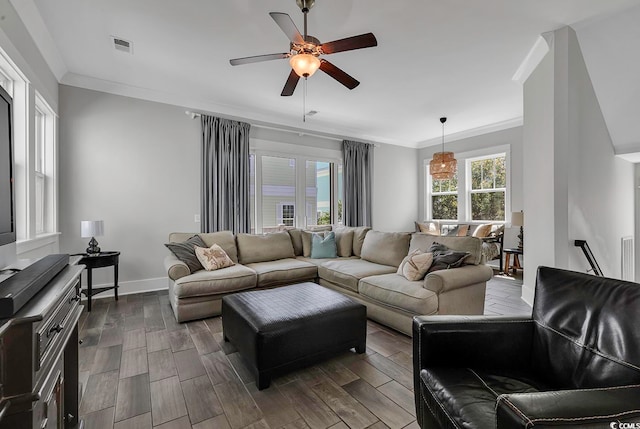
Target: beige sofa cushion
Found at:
296, 240
344, 243
206, 283
283, 271
347, 272
395, 291
262, 248
359, 233
386, 248
462, 244
224, 239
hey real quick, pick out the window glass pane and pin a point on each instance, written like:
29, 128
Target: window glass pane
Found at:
501, 172
39, 147
444, 206
318, 193
488, 205
278, 192
39, 203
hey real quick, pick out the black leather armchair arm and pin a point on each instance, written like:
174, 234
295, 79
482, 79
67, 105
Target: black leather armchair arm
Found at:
591, 408
472, 341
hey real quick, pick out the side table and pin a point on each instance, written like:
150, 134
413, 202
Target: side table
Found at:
516, 260
102, 259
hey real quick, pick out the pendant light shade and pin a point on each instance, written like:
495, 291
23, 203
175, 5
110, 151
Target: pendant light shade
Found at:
444, 164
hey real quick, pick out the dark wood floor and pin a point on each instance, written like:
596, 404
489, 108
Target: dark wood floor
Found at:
140, 369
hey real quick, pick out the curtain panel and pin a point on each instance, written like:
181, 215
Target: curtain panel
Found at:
358, 164
225, 175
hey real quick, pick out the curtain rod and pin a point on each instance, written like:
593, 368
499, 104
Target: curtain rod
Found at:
195, 115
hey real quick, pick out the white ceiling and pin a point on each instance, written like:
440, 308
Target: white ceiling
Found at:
434, 58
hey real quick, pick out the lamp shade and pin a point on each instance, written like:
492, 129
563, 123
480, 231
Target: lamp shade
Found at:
517, 219
443, 165
304, 65
91, 228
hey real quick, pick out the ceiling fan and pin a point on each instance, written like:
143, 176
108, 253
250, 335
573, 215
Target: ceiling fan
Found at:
305, 51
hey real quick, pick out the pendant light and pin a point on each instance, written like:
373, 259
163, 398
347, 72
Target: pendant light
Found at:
444, 164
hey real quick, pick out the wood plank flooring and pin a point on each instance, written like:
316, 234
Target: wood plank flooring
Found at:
140, 369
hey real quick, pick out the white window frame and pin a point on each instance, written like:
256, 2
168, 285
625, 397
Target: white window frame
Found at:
301, 159
470, 191
464, 183
430, 194
45, 166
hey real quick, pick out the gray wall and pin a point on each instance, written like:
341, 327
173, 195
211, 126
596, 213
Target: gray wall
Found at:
572, 179
511, 137
135, 164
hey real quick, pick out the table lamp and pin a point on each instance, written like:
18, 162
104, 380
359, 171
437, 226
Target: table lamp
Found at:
93, 229
517, 219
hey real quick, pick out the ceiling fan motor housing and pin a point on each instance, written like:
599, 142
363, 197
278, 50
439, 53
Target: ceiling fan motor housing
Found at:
305, 5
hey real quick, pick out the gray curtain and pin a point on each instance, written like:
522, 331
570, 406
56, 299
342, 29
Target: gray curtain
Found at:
358, 163
225, 175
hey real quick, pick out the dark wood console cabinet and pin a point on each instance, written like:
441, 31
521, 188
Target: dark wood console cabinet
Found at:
39, 358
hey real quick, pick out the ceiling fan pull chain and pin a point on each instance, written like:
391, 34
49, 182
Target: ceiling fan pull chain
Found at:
304, 100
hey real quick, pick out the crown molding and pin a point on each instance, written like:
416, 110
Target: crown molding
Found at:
536, 54
473, 132
30, 16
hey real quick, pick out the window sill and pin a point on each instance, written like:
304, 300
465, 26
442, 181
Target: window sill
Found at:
40, 240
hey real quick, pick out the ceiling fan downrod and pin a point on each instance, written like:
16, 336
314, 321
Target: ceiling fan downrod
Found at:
305, 6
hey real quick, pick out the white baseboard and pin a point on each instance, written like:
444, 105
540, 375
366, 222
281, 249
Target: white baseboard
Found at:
528, 294
134, 286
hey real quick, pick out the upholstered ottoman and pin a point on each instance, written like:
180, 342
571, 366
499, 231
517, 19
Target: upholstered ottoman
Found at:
276, 330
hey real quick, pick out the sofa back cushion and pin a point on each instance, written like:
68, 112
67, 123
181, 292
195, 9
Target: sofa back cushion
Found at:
296, 240
423, 242
586, 330
359, 233
386, 248
224, 239
262, 248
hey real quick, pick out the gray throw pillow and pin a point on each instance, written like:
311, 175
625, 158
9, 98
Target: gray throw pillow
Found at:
186, 252
445, 258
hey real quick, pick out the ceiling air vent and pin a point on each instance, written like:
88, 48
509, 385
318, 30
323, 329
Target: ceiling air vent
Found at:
122, 45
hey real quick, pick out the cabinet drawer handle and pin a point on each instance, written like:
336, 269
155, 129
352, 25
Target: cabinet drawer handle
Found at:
74, 298
54, 329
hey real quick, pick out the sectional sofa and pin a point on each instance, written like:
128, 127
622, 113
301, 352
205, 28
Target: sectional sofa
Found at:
365, 270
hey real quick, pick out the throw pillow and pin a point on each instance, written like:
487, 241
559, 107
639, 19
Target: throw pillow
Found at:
323, 247
185, 251
482, 230
213, 258
431, 228
463, 230
415, 266
445, 258
454, 232
306, 242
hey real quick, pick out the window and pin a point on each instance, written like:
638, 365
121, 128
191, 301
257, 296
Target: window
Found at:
487, 193
289, 196
34, 155
444, 198
479, 191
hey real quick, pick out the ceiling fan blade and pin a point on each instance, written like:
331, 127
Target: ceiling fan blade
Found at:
350, 43
290, 86
338, 74
287, 25
258, 58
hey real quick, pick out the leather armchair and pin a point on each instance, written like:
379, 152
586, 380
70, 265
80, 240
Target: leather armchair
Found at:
574, 362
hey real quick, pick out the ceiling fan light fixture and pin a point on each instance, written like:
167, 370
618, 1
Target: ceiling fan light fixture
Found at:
304, 65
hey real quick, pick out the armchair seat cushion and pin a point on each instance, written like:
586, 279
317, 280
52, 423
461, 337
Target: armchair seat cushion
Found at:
396, 291
466, 397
